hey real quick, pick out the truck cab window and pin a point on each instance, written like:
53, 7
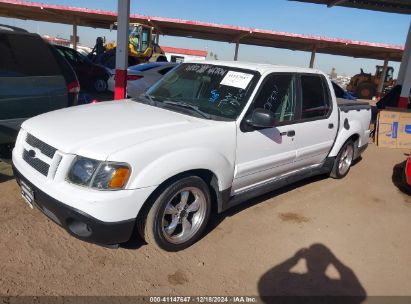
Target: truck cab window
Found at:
315, 99
390, 74
145, 39
278, 96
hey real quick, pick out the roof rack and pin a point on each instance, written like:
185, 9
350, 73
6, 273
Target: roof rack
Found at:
16, 29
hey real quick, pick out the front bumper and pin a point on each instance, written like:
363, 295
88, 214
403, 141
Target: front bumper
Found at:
77, 223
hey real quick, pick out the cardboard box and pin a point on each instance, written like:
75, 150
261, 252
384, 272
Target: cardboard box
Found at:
394, 129
404, 131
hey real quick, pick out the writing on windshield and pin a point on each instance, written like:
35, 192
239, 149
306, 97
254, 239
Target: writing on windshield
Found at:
214, 89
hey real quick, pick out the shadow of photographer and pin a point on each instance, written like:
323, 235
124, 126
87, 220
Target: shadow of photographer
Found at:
280, 284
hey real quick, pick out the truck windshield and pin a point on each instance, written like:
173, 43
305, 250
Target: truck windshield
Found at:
213, 89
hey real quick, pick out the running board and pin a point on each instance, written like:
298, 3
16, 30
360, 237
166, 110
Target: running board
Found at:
279, 183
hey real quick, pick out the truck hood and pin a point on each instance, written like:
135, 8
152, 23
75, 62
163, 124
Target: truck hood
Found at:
98, 130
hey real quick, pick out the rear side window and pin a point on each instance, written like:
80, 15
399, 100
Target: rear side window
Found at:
315, 98
25, 55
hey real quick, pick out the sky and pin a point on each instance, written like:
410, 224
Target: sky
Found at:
278, 15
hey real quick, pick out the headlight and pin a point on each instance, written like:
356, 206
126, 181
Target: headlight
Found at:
99, 175
82, 171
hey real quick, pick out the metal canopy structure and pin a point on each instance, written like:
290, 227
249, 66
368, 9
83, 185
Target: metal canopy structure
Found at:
390, 6
203, 30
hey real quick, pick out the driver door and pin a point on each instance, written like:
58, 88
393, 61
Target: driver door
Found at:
264, 154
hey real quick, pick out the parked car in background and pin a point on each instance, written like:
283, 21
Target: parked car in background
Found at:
83, 52
341, 93
90, 75
34, 79
407, 174
142, 76
205, 138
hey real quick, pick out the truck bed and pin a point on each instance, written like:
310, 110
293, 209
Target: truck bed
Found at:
346, 105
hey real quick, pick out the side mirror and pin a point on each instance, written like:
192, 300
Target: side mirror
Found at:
261, 118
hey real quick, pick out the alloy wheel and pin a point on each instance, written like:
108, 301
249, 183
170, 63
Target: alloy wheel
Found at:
184, 215
346, 160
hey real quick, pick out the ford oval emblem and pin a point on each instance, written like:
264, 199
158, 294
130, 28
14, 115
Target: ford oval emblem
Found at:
32, 153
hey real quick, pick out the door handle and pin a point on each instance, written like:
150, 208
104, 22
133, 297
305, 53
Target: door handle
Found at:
331, 126
290, 133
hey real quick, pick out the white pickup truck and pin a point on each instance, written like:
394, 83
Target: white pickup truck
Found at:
207, 137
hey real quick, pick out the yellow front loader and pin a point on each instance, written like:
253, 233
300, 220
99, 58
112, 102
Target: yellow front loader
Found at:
142, 47
365, 85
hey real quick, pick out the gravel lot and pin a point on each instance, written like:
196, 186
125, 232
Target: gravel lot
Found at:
361, 225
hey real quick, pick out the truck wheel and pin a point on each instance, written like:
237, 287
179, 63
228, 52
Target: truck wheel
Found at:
179, 215
365, 91
343, 161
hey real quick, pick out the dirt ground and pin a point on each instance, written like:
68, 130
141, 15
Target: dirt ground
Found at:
361, 225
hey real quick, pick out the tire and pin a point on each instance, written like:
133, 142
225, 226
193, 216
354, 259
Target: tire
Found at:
404, 184
343, 161
365, 91
100, 85
168, 223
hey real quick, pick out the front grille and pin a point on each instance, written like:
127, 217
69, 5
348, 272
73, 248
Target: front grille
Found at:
42, 146
36, 163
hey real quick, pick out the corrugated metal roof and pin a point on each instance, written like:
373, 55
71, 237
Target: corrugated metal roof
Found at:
202, 30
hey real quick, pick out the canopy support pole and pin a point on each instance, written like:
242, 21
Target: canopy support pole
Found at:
313, 53
74, 39
237, 46
123, 20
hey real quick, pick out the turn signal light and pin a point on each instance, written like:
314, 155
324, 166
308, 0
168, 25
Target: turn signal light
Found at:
119, 178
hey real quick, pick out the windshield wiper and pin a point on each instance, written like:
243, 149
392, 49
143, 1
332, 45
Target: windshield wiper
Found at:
187, 106
150, 98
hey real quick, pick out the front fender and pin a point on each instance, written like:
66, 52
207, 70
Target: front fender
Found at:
160, 169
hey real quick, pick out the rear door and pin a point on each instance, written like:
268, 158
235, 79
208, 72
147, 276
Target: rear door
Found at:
30, 79
318, 125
